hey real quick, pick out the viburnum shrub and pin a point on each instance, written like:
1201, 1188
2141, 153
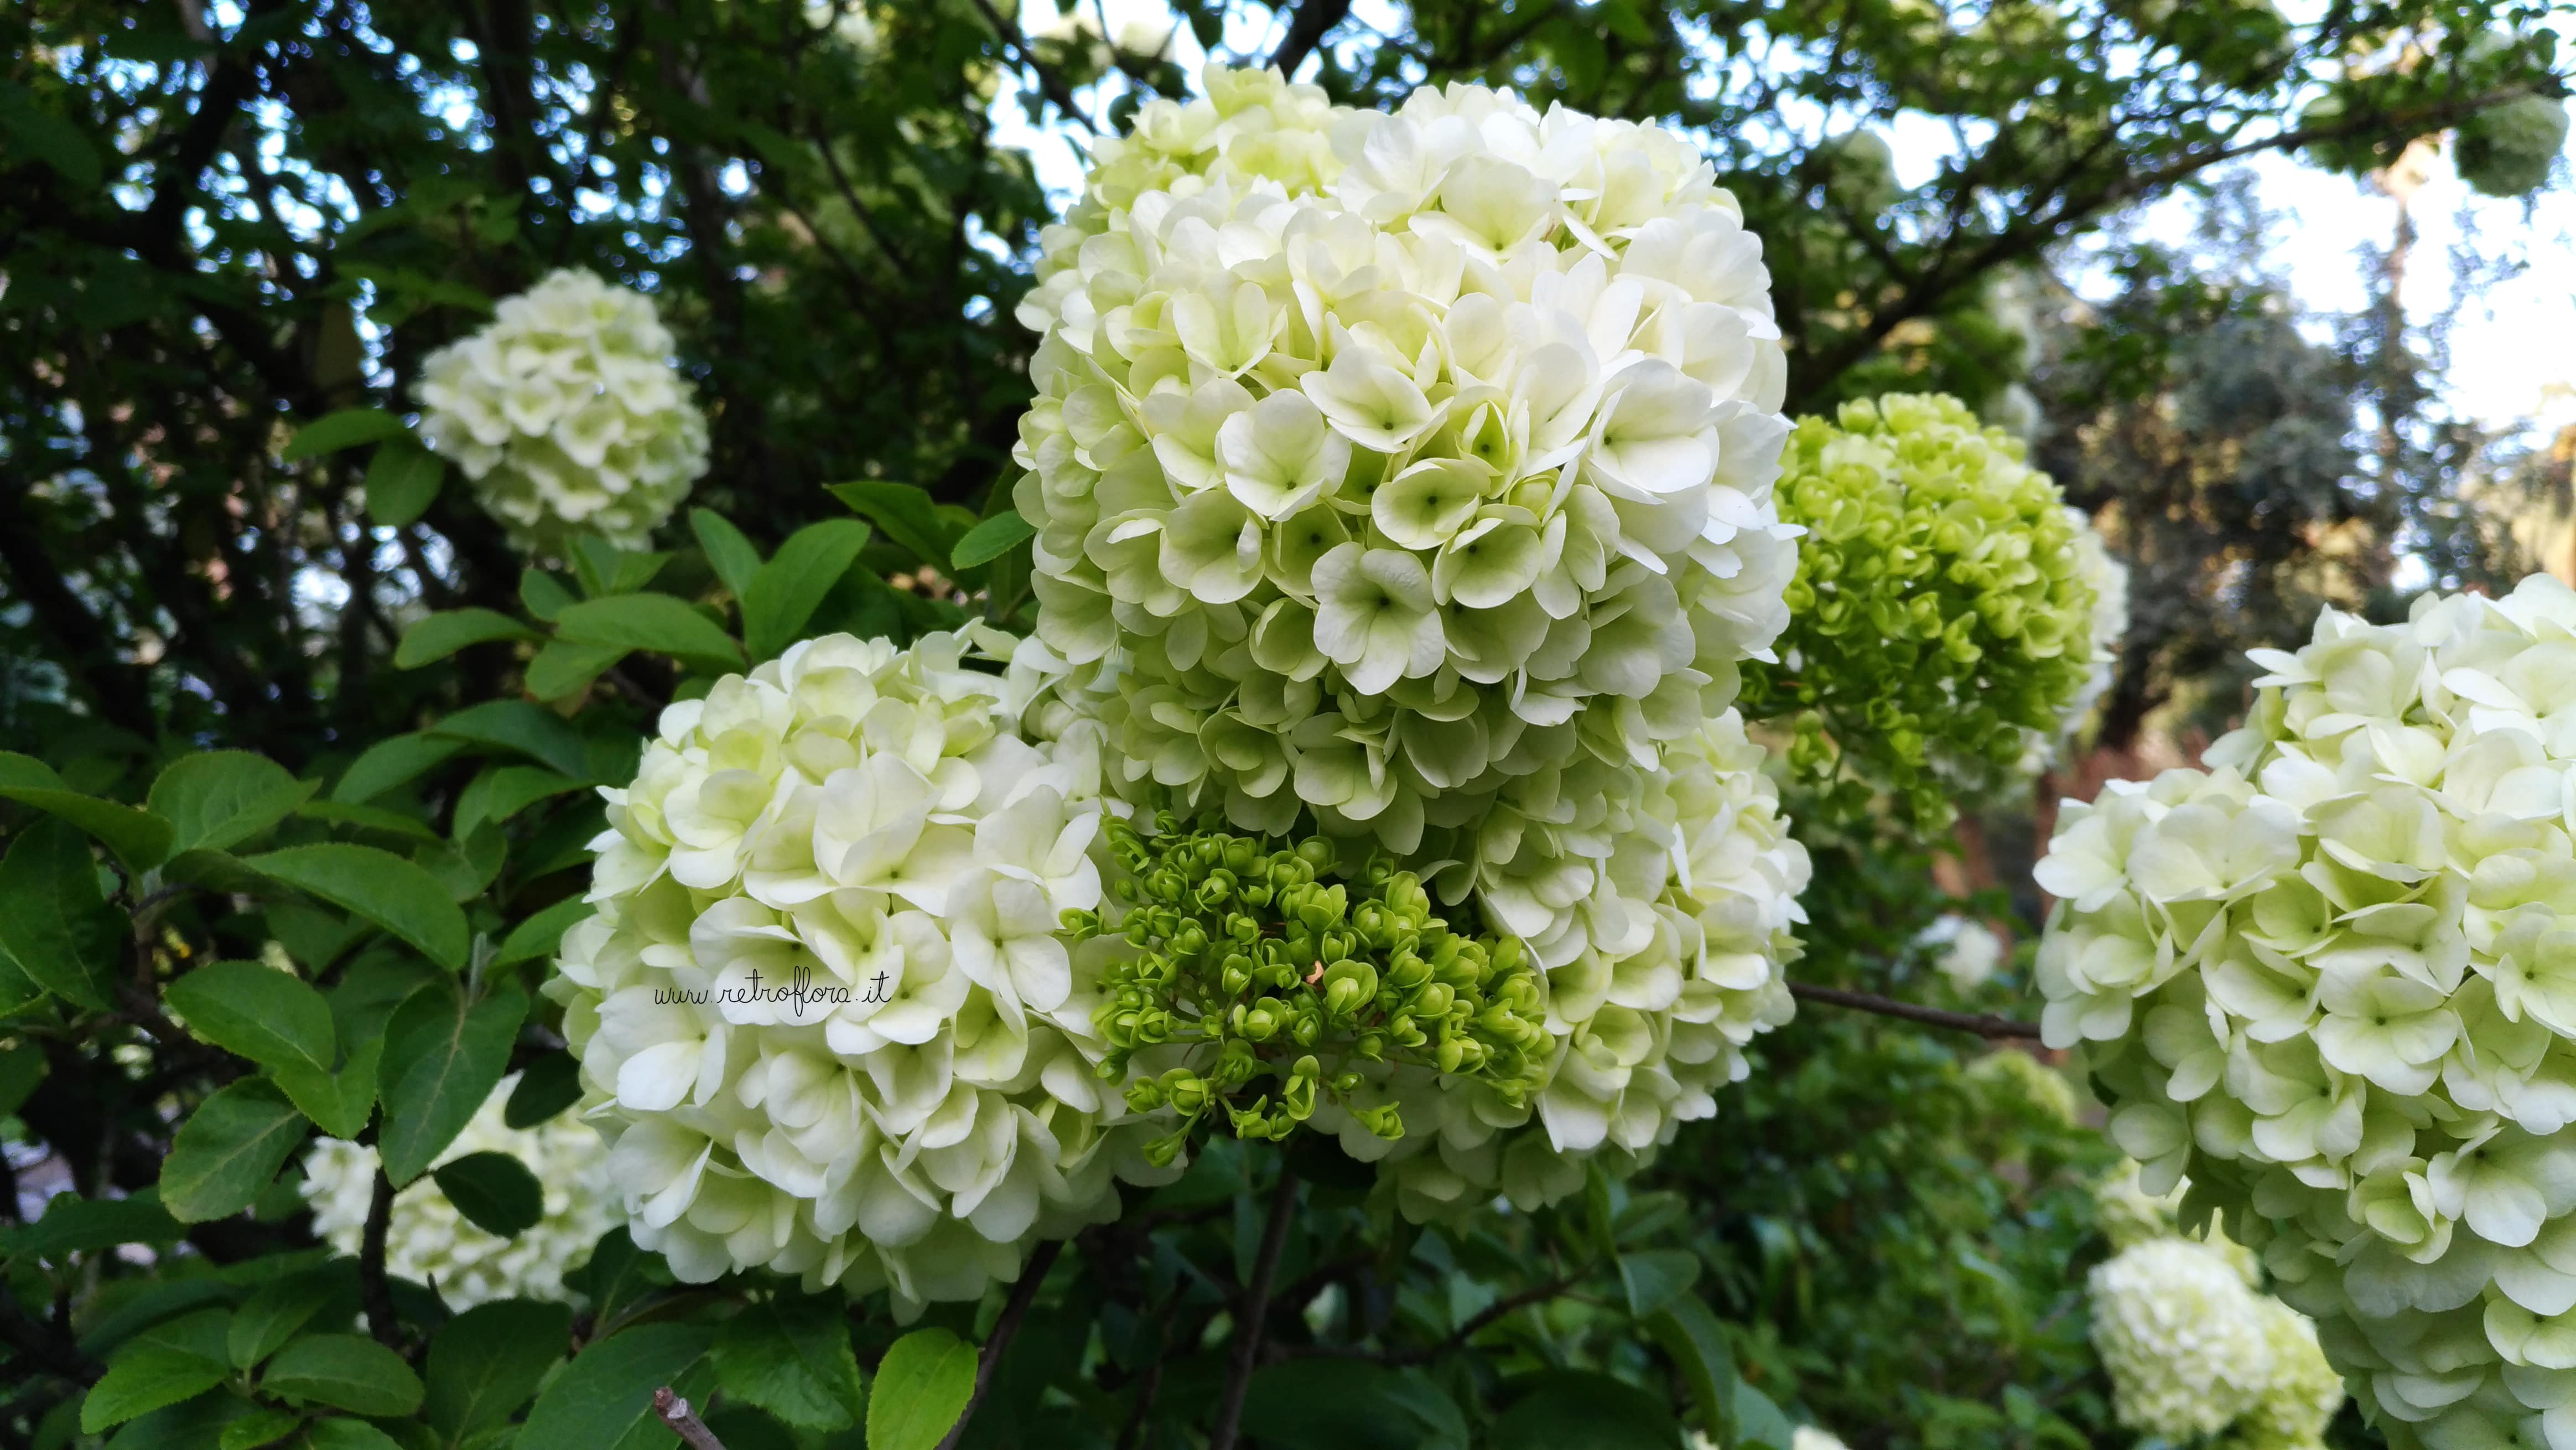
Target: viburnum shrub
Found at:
2326, 977
567, 414
1943, 623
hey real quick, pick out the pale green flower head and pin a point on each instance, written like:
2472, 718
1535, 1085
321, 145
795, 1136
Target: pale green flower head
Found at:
568, 414
1396, 474
2331, 981
1948, 619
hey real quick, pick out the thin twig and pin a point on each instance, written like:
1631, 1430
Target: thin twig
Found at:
1050, 84
375, 1293
680, 1420
1256, 1309
1004, 1328
1457, 1339
1983, 1026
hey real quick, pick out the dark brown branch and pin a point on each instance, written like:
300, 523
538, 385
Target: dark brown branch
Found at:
375, 1293
1004, 1329
680, 1420
1256, 1310
1992, 1028
1313, 21
1050, 83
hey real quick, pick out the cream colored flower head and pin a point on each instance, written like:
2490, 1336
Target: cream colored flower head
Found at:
1412, 470
823, 1012
2193, 1349
568, 414
428, 1242
1647, 1023
2332, 977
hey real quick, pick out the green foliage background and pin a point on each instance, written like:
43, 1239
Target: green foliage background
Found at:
263, 681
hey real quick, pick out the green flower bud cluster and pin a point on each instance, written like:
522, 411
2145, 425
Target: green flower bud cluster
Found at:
1941, 620
1252, 979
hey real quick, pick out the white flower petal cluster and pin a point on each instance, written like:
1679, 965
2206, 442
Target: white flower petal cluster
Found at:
824, 1013
1413, 469
428, 1242
1647, 1023
2333, 978
1968, 950
568, 413
2193, 1350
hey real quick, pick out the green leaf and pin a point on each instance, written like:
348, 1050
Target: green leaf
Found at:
367, 818
442, 1059
1655, 1278
487, 1361
791, 586
547, 1086
22, 1066
991, 539
504, 791
542, 594
258, 1012
603, 569
1759, 1424
58, 927
380, 886
338, 1434
337, 1102
345, 1371
540, 934
389, 763
228, 1150
448, 631
494, 1191
49, 138
922, 1386
347, 428
75, 1225
1583, 1410
259, 1427
143, 1382
1347, 1404
402, 482
906, 514
563, 668
217, 799
790, 1355
273, 1312
728, 552
608, 1388
517, 725
658, 622
1696, 1344
139, 839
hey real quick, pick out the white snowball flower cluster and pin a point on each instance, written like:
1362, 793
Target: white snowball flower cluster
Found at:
428, 1242
823, 1012
1968, 951
2193, 1350
2333, 977
1648, 1022
1413, 470
568, 414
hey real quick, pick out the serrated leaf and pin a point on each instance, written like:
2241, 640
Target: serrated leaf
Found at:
57, 927
991, 539
259, 1427
661, 623
790, 1355
380, 886
607, 1390
444, 633
139, 839
258, 1012
338, 1102
540, 934
368, 818
442, 1059
403, 479
217, 799
728, 552
274, 1311
547, 1086
791, 586
921, 1388
906, 514
143, 1382
342, 1434
391, 762
494, 1191
346, 1372
228, 1150
531, 730
487, 1361
502, 792
347, 428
